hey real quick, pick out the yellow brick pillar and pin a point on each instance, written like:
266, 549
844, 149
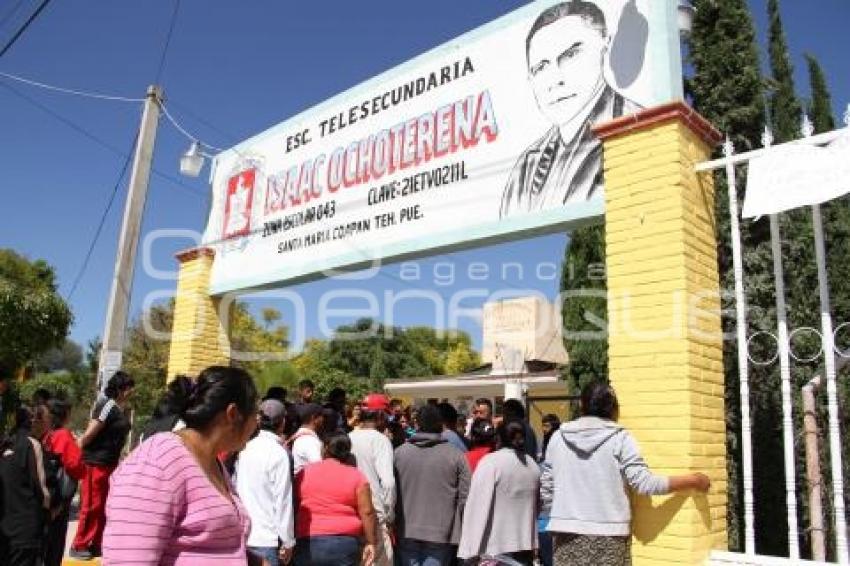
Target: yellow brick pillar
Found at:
199, 337
665, 351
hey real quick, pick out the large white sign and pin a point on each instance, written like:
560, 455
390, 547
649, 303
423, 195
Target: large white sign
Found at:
485, 138
791, 176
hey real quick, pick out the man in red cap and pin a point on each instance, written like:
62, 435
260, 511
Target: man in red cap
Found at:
374, 454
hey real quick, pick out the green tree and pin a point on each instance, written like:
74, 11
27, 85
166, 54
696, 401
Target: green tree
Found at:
276, 374
418, 351
377, 371
148, 346
785, 109
461, 358
584, 306
836, 219
146, 355
68, 356
821, 106
270, 316
33, 317
93, 348
254, 345
727, 88
314, 363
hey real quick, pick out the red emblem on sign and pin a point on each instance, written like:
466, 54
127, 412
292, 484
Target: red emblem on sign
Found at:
237, 204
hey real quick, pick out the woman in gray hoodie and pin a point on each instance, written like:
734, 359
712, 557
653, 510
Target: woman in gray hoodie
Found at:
589, 464
501, 511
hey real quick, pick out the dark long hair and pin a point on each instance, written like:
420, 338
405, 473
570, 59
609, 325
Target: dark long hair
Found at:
120, 381
512, 435
555, 423
59, 410
338, 447
217, 387
599, 400
482, 433
175, 398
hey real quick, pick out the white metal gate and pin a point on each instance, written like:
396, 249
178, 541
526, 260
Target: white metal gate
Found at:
728, 164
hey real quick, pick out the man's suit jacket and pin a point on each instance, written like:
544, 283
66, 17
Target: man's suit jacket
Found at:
576, 171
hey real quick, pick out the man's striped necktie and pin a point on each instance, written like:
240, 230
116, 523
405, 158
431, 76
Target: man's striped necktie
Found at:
544, 165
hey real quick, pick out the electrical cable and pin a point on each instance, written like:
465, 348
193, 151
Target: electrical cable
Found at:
24, 27
167, 42
106, 145
86, 94
103, 216
230, 137
183, 130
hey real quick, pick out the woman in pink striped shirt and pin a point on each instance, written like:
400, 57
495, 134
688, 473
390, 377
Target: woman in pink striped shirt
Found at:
170, 502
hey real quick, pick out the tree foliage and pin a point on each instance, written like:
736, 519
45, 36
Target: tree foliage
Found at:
33, 317
253, 345
584, 306
785, 109
68, 356
412, 352
726, 86
728, 89
315, 363
362, 356
147, 350
820, 109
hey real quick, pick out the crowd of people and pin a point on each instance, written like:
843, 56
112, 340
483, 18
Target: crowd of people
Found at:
227, 476
42, 465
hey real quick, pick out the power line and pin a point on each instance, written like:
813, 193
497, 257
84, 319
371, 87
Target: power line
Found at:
106, 145
24, 27
103, 216
230, 137
83, 93
183, 130
167, 41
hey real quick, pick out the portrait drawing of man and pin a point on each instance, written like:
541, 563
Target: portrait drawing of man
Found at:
565, 51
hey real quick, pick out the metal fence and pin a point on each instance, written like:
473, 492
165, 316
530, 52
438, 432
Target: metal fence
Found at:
728, 165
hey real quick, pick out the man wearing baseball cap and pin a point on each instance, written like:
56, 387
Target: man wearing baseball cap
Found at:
264, 484
374, 454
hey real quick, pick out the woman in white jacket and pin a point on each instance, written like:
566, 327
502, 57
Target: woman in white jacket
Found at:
590, 462
500, 518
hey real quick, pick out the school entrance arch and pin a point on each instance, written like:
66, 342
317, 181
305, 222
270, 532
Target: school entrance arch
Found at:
448, 152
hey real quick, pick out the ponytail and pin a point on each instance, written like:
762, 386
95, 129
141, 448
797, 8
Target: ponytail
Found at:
512, 435
217, 387
119, 382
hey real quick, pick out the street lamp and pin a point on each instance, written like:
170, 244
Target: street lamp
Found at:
192, 161
686, 13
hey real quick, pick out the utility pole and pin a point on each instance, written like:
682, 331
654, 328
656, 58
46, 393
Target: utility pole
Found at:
111, 352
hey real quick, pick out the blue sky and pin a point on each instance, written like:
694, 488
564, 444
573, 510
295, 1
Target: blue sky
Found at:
233, 70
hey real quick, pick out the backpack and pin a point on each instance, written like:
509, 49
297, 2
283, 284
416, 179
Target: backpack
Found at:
60, 485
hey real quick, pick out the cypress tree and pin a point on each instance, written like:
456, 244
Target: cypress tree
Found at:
836, 216
785, 109
821, 107
583, 270
727, 88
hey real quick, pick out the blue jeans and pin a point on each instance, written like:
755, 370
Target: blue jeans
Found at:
545, 540
267, 553
421, 553
329, 550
